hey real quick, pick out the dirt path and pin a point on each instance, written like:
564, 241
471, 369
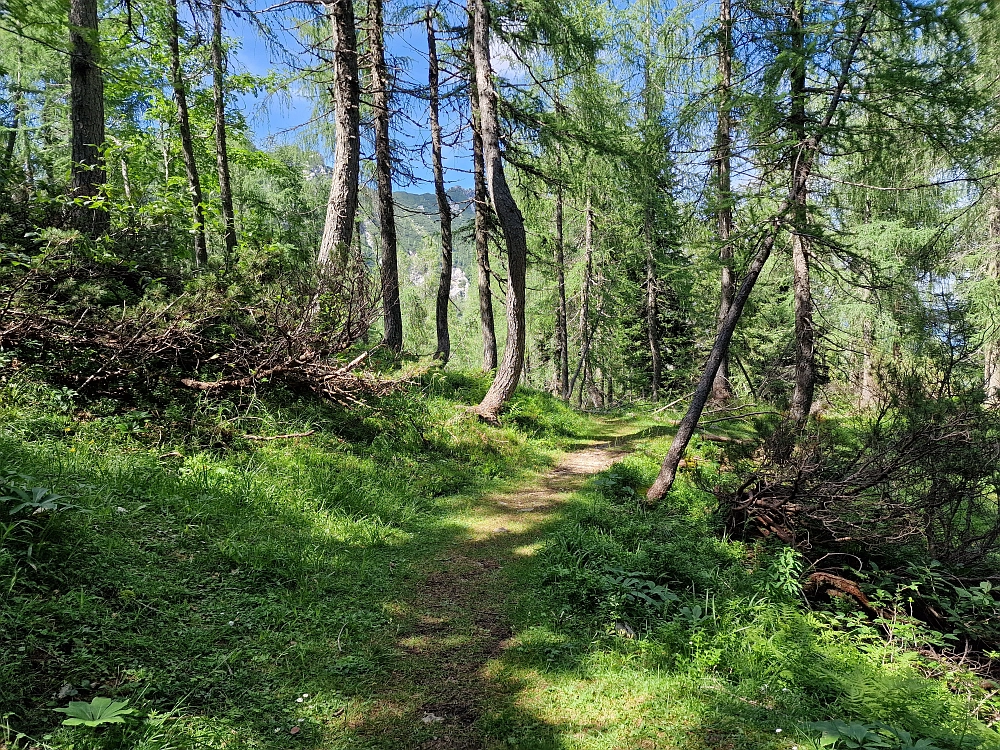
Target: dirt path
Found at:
454, 623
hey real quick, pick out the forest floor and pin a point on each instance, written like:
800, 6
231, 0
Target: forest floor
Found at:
455, 624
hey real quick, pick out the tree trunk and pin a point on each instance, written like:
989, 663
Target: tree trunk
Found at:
510, 219
187, 143
588, 271
8, 160
335, 247
482, 237
805, 343
722, 388
562, 335
652, 305
86, 83
807, 153
392, 314
444, 205
992, 366
221, 152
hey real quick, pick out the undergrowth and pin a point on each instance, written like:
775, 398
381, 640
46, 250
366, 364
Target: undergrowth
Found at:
232, 590
682, 637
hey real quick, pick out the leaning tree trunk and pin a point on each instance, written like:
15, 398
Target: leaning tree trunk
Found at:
486, 323
510, 218
335, 247
722, 390
221, 152
444, 205
187, 143
86, 114
808, 149
562, 335
805, 339
392, 314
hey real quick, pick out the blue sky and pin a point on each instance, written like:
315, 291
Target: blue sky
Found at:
285, 117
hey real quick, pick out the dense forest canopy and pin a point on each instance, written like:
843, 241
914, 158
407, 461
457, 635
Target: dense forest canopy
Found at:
769, 228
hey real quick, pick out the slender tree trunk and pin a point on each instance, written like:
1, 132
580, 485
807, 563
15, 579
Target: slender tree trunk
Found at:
562, 335
391, 311
221, 152
588, 274
992, 366
805, 343
807, 153
486, 323
510, 219
722, 388
187, 143
86, 83
868, 388
444, 205
335, 247
15, 125
652, 307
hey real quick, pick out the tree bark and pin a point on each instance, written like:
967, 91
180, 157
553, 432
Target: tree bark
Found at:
335, 247
992, 348
229, 238
391, 311
510, 219
588, 272
652, 305
807, 154
562, 335
486, 322
805, 339
187, 143
444, 205
86, 82
722, 388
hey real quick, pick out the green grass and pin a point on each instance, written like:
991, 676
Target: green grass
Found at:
232, 590
237, 591
725, 653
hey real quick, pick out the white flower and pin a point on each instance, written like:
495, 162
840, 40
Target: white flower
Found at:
231, 623
777, 731
298, 700
305, 695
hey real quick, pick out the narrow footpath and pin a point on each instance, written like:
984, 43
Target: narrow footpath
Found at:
454, 624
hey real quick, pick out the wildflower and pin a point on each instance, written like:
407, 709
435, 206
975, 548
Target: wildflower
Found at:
778, 730
298, 700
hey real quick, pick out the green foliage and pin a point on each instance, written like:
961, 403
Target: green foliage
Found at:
839, 734
99, 711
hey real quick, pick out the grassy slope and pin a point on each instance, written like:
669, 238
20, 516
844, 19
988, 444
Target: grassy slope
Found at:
221, 586
261, 586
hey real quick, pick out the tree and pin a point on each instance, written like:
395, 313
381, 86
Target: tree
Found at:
343, 202
86, 82
508, 215
443, 351
391, 310
721, 388
481, 229
229, 238
187, 142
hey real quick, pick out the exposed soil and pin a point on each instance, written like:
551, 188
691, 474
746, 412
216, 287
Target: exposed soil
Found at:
454, 622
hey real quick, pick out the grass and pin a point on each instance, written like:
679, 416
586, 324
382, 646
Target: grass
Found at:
233, 593
647, 628
348, 588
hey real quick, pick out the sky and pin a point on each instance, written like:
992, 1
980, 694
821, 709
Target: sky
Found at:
285, 117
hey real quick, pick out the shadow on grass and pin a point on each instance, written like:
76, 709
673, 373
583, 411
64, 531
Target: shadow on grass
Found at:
261, 600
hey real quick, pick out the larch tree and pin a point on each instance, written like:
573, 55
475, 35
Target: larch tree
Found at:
443, 351
229, 238
87, 122
187, 140
342, 205
508, 215
392, 314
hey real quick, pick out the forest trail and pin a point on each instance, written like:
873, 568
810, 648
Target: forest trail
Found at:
454, 625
